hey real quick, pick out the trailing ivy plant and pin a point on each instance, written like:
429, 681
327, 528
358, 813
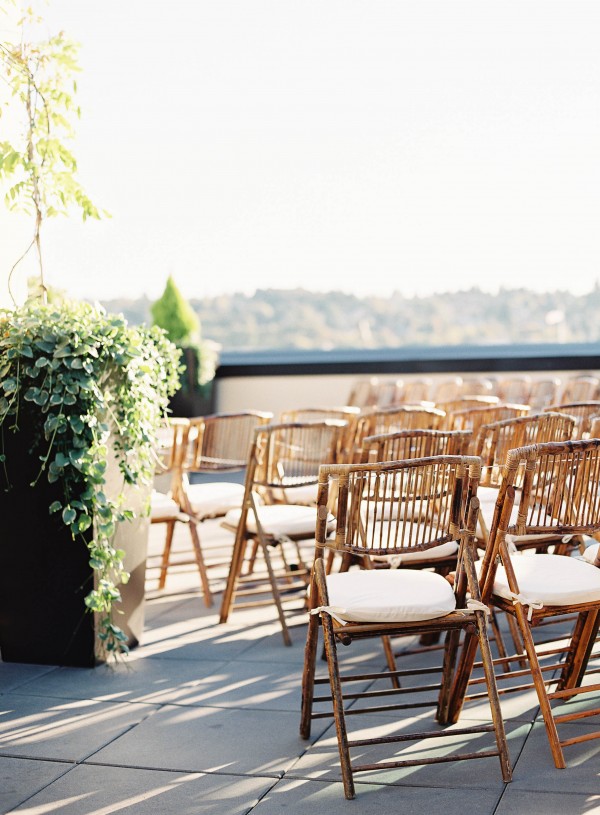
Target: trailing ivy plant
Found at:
80, 381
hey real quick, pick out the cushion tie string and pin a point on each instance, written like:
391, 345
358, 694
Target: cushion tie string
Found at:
333, 611
473, 605
526, 601
512, 540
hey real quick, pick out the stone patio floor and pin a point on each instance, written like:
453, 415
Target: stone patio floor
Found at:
203, 718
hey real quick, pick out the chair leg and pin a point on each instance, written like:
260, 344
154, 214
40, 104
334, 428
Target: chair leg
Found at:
208, 600
498, 638
338, 706
235, 567
461, 678
450, 652
275, 592
308, 674
488, 668
166, 555
390, 659
540, 687
582, 642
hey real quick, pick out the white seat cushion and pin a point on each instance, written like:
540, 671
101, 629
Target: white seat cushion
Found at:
279, 520
441, 552
553, 580
163, 506
306, 494
394, 595
487, 499
215, 498
590, 553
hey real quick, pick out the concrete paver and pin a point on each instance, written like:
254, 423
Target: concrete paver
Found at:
203, 718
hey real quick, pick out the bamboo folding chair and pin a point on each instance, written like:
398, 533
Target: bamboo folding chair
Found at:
211, 446
466, 402
560, 496
166, 507
345, 413
283, 463
493, 443
447, 389
416, 390
364, 393
580, 388
415, 443
544, 392
407, 444
474, 417
582, 412
387, 509
477, 386
402, 417
514, 389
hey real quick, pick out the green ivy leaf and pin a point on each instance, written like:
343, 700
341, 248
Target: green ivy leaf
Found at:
83, 522
68, 515
31, 394
41, 398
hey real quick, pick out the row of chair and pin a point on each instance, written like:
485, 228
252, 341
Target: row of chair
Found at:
394, 509
414, 499
521, 389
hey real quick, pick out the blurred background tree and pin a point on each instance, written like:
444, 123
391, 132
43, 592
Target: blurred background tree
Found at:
173, 313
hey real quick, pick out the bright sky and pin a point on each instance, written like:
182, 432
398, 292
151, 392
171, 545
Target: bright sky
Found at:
363, 145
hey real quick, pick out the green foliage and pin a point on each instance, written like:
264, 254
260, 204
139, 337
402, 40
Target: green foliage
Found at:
38, 167
82, 381
42, 83
173, 313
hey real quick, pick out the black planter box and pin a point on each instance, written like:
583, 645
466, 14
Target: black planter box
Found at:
45, 574
192, 399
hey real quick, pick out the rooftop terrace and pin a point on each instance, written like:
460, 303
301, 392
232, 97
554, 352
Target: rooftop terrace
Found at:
203, 718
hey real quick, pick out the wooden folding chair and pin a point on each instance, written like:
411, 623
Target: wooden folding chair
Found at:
209, 447
493, 442
544, 392
406, 444
466, 402
415, 443
560, 496
386, 509
515, 389
402, 417
347, 413
582, 412
278, 512
492, 445
474, 417
580, 388
166, 503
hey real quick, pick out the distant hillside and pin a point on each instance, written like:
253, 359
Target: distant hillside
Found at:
278, 318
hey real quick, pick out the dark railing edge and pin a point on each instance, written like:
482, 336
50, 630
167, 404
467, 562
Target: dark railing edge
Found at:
412, 360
